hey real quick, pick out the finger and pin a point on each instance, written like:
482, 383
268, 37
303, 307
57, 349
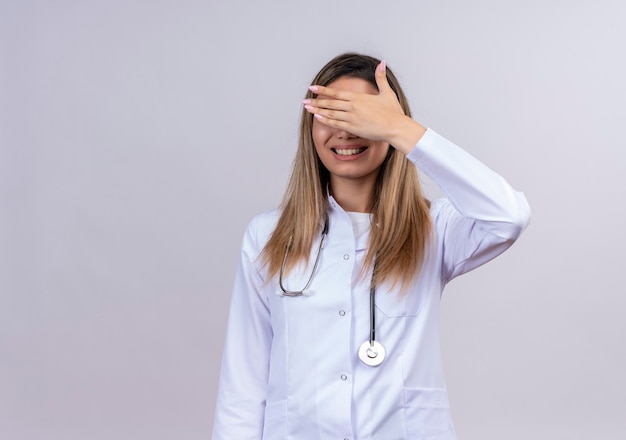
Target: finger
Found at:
335, 115
381, 77
333, 104
334, 123
331, 93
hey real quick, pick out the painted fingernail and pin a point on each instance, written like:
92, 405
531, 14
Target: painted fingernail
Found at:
382, 66
308, 107
313, 89
318, 117
306, 101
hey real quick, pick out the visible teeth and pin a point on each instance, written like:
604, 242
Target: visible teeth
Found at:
349, 151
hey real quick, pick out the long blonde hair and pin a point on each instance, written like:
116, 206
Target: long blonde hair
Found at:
401, 218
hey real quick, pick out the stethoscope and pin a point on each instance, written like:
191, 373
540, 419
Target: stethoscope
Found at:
371, 352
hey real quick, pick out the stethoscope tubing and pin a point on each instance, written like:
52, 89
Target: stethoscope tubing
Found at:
317, 260
372, 352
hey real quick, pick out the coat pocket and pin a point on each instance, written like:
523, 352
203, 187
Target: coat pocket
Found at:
392, 304
428, 414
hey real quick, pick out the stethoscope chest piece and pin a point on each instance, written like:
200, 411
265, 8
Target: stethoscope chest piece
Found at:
372, 353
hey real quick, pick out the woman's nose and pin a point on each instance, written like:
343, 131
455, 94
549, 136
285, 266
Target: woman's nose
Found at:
342, 134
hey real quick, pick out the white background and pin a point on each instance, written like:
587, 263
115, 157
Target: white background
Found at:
138, 138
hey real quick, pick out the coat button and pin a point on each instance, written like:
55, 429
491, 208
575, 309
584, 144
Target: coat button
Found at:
342, 313
344, 377
346, 256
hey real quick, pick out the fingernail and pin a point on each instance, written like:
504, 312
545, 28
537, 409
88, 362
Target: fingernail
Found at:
306, 101
308, 107
318, 117
383, 66
313, 89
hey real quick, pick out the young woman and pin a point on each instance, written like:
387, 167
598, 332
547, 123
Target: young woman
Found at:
334, 322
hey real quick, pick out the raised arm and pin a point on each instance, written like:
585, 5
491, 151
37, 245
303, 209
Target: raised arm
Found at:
485, 215
482, 215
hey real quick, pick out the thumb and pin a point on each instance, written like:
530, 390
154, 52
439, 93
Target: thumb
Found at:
381, 78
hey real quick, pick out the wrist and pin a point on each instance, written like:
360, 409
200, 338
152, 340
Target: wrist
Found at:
407, 135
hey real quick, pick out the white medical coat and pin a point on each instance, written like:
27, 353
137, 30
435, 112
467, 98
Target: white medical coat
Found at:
290, 368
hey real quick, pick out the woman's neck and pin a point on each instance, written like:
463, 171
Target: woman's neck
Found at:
354, 195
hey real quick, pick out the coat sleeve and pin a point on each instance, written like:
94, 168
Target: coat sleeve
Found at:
482, 215
240, 407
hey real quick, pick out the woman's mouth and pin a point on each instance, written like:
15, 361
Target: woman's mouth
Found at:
348, 151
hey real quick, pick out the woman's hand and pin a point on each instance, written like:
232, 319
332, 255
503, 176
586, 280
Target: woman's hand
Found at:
377, 117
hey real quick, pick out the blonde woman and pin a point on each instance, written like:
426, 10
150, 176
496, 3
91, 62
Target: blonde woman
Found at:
334, 323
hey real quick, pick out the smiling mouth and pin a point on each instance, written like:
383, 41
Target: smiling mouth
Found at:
348, 151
